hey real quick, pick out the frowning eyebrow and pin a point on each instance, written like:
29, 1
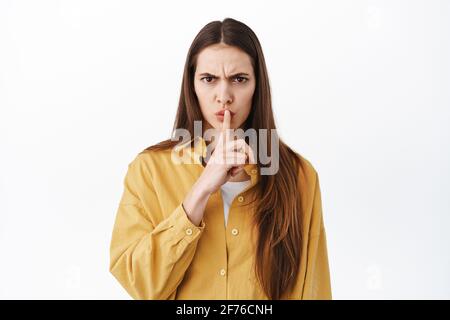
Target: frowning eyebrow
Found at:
240, 74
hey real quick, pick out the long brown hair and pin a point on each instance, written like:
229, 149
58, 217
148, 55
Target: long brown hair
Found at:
278, 210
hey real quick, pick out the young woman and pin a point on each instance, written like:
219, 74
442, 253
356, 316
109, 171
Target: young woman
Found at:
211, 229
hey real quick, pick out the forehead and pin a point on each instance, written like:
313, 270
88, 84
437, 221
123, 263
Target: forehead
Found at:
218, 58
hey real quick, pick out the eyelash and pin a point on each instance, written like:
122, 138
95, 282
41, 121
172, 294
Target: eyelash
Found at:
246, 79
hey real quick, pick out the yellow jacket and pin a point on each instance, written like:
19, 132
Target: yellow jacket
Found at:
156, 252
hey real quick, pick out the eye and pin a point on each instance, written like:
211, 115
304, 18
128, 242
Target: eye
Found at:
208, 79
241, 79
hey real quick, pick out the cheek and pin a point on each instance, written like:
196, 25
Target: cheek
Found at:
203, 89
245, 96
202, 96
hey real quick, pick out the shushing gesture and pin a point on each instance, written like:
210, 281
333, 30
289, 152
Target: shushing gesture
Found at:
228, 158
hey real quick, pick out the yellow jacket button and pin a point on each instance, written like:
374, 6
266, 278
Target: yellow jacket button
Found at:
254, 171
222, 272
234, 232
240, 198
189, 231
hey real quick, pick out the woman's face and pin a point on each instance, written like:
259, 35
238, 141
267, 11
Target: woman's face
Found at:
224, 79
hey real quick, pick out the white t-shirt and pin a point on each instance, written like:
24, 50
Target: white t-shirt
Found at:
230, 190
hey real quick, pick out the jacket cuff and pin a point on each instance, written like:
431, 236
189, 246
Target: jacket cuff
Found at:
183, 227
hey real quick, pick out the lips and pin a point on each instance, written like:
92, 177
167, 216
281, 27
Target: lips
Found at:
222, 113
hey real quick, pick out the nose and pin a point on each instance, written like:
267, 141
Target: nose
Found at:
224, 95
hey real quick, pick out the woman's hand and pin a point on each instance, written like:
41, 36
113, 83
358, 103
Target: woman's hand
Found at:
227, 160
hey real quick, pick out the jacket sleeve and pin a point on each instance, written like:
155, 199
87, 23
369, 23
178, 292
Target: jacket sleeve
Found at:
317, 281
150, 259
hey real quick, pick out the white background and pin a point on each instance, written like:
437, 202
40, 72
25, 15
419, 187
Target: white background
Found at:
360, 88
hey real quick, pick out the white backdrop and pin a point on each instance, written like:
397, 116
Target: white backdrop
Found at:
360, 88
